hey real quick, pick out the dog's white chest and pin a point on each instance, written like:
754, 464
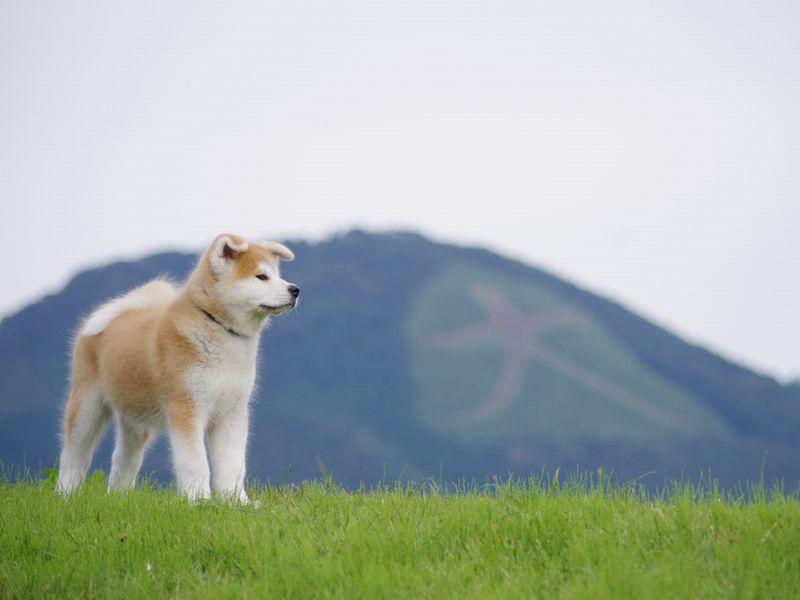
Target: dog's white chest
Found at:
225, 380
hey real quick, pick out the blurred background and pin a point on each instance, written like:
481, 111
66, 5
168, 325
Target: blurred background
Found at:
646, 153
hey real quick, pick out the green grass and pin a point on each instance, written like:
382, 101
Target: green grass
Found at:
531, 538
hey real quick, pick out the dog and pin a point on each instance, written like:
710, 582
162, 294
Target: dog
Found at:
176, 360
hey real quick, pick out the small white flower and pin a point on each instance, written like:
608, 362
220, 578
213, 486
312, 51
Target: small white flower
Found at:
148, 566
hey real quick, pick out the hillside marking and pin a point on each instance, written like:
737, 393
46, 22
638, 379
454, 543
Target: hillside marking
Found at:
519, 332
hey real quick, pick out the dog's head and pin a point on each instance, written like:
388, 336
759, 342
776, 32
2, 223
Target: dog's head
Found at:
246, 277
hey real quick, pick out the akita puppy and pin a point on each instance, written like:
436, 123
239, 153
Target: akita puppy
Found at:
183, 361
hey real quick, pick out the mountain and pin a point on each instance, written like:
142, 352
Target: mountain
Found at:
416, 359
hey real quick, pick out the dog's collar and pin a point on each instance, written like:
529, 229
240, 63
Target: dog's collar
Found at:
211, 317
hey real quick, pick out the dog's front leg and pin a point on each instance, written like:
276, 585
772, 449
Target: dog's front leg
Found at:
227, 439
186, 436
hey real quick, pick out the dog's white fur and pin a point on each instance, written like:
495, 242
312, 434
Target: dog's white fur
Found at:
180, 360
151, 295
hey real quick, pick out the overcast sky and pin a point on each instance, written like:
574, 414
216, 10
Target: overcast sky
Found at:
649, 151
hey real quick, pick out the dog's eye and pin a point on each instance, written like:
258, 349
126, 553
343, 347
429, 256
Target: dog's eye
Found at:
262, 277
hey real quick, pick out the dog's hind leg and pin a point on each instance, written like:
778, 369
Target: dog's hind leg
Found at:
129, 449
85, 420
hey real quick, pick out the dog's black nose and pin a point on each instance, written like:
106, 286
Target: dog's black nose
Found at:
294, 290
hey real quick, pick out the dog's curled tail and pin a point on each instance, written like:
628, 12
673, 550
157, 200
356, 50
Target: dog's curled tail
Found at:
155, 294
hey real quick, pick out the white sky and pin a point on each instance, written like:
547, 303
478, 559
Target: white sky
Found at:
649, 151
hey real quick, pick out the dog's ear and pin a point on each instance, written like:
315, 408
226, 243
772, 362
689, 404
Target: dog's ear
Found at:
225, 248
278, 250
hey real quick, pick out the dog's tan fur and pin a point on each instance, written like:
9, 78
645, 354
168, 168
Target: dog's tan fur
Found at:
140, 365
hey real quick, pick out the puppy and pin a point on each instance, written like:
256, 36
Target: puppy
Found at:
181, 361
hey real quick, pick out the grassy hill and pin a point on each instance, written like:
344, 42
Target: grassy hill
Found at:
515, 361
532, 538
425, 359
